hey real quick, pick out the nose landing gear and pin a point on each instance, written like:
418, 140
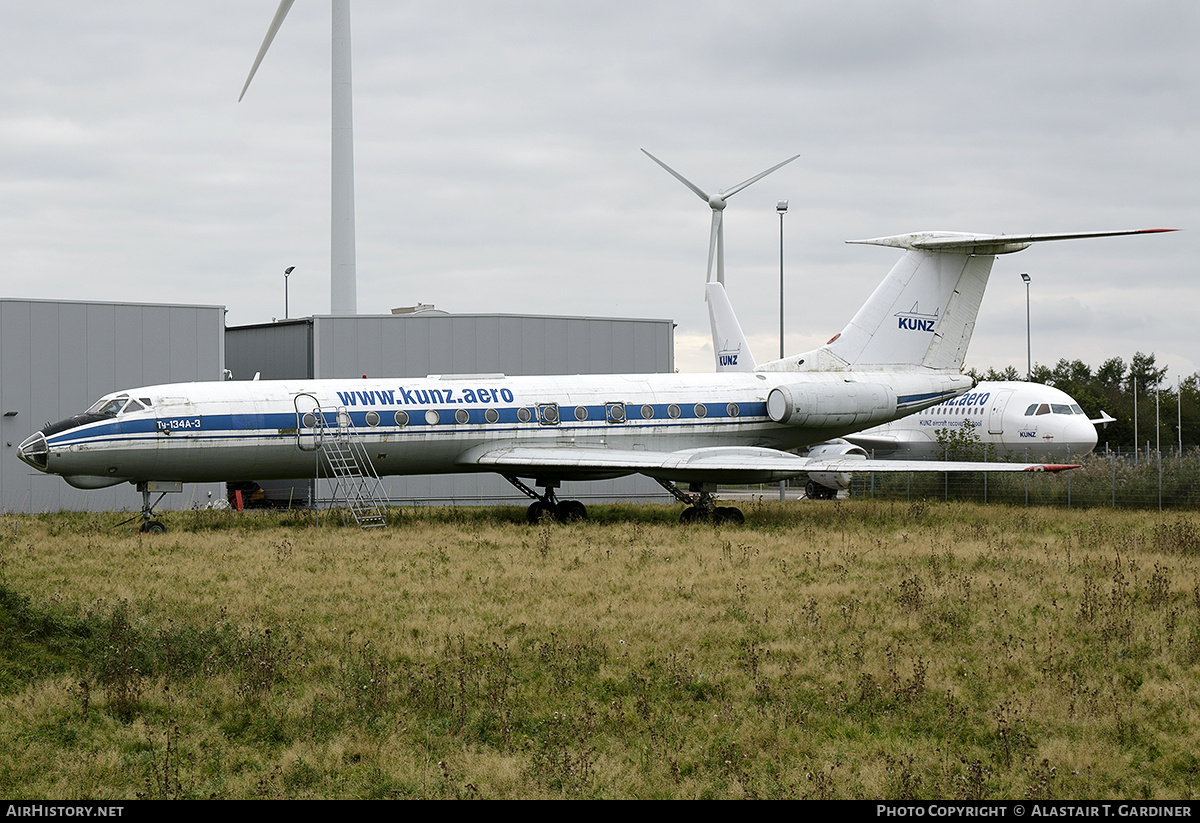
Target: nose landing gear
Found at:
150, 522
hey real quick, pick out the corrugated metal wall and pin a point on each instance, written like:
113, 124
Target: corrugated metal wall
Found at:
422, 344
58, 357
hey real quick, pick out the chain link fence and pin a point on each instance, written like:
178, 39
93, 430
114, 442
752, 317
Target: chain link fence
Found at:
1141, 480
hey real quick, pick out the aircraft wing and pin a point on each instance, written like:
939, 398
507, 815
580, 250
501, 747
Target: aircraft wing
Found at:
716, 464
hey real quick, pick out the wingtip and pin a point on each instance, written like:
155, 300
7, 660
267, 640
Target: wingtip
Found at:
1053, 468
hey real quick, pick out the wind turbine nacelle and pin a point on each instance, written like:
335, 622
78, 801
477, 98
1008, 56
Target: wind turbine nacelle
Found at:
831, 405
838, 449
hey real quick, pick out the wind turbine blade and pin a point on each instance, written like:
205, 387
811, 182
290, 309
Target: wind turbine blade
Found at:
284, 7
699, 192
730, 192
713, 249
721, 252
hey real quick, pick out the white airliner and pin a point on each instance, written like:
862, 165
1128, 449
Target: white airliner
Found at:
1010, 420
696, 429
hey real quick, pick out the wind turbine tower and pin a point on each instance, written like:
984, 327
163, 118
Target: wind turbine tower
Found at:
343, 286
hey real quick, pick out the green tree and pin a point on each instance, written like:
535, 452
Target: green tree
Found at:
963, 443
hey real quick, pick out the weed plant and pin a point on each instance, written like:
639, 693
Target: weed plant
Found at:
872, 649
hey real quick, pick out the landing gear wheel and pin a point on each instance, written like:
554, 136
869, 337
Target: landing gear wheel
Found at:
728, 515
815, 491
568, 511
538, 510
693, 514
153, 527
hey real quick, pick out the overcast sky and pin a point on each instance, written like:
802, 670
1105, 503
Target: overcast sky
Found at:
498, 165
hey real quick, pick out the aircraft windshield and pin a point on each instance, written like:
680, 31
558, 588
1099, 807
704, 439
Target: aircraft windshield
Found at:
117, 405
108, 405
1053, 408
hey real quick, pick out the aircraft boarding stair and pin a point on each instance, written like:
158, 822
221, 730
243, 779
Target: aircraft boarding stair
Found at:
357, 492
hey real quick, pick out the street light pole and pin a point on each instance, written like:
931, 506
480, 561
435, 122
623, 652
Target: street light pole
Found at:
1028, 342
781, 207
286, 272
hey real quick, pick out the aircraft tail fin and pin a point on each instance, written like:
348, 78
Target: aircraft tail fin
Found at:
924, 311
730, 347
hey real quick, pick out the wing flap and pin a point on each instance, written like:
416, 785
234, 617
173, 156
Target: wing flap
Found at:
717, 464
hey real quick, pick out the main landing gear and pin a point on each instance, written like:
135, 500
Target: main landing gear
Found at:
815, 491
700, 506
547, 504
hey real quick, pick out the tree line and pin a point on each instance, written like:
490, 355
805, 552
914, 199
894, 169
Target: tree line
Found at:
1116, 387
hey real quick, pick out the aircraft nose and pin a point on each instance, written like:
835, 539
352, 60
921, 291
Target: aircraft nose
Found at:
1081, 435
34, 451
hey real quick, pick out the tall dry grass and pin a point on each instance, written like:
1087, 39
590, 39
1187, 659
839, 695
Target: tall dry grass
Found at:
859, 649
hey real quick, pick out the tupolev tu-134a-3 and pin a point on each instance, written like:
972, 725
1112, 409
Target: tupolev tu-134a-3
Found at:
695, 429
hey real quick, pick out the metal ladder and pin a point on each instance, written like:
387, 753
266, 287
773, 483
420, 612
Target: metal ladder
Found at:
357, 492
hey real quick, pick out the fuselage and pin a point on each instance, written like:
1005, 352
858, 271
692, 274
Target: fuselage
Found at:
1014, 420
259, 430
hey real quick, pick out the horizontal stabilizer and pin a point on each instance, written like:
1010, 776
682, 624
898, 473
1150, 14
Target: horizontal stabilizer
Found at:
924, 311
969, 243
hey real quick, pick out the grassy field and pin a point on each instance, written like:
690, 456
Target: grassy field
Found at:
856, 649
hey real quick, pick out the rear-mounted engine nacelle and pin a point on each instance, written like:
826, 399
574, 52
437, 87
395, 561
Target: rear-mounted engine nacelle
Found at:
831, 405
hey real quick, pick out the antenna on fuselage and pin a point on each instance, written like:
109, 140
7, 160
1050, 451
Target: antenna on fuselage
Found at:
716, 202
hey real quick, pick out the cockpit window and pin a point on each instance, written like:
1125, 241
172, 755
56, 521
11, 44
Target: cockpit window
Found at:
119, 404
1032, 408
109, 405
1075, 408
1043, 409
1062, 408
